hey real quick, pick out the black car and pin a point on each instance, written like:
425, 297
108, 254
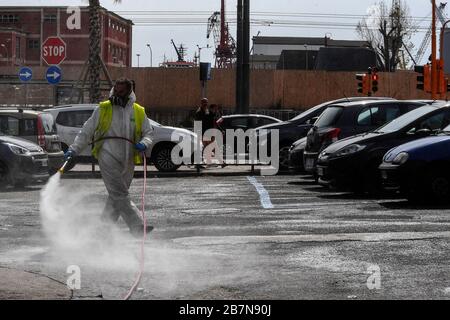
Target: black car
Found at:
344, 120
354, 162
297, 128
296, 155
245, 121
21, 162
420, 169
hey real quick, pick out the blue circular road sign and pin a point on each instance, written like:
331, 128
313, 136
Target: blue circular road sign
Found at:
25, 74
53, 75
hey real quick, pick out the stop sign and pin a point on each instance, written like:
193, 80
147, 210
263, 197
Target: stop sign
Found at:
54, 50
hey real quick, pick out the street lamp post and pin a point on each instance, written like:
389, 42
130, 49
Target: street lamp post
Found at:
200, 52
7, 53
151, 55
138, 57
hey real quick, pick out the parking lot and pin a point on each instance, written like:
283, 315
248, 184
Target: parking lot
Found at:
229, 236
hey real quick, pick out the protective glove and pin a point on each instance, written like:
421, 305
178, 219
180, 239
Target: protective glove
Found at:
69, 155
140, 147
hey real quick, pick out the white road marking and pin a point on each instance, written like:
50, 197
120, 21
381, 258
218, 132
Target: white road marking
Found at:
263, 193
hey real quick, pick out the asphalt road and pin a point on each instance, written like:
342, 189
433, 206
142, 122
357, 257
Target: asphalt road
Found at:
230, 237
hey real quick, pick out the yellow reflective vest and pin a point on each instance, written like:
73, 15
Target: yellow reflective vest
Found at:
104, 123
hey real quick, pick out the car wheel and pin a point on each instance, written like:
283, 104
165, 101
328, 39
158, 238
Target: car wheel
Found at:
3, 174
162, 159
440, 188
284, 158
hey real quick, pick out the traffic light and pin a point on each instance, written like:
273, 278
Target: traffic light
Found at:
375, 79
363, 83
424, 79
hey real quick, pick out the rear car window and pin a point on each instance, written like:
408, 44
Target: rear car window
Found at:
238, 123
48, 123
74, 119
9, 125
329, 117
29, 127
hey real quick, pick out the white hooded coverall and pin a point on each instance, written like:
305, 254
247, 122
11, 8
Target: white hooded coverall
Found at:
116, 160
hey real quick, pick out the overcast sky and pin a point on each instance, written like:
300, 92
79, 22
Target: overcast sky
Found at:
192, 35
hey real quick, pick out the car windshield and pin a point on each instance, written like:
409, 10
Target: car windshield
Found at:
405, 120
48, 123
329, 117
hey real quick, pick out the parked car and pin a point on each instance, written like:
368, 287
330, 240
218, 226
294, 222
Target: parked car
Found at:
343, 120
21, 161
71, 118
36, 126
420, 169
354, 162
296, 155
297, 128
245, 121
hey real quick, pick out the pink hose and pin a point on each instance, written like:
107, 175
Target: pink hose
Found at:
144, 238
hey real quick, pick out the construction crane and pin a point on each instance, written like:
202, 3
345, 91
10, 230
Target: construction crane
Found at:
426, 40
181, 51
224, 43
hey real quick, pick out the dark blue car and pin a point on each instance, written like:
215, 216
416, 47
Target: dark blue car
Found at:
420, 169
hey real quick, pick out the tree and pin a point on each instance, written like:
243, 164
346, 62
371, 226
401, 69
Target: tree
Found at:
95, 63
387, 30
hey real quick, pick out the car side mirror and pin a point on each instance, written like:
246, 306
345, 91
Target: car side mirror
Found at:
423, 133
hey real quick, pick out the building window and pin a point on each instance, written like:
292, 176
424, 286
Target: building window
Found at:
33, 44
9, 18
50, 18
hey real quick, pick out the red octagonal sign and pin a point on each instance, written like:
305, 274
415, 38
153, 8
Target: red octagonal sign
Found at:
54, 50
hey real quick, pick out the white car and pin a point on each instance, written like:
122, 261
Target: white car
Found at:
71, 118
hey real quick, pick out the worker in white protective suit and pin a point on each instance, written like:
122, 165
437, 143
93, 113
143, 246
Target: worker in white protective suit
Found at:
120, 116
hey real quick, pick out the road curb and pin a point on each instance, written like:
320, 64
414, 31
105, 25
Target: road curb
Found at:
24, 285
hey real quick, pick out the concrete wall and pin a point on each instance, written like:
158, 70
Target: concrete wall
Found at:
162, 89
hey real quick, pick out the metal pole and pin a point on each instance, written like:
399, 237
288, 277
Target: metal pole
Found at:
26, 95
441, 53
151, 55
306, 57
239, 57
138, 56
434, 78
246, 59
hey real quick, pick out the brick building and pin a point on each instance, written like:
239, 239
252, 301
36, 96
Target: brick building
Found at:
24, 29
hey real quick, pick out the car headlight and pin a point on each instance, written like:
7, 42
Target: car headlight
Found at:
351, 149
401, 158
18, 150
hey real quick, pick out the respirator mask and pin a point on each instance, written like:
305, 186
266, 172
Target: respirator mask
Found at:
120, 99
